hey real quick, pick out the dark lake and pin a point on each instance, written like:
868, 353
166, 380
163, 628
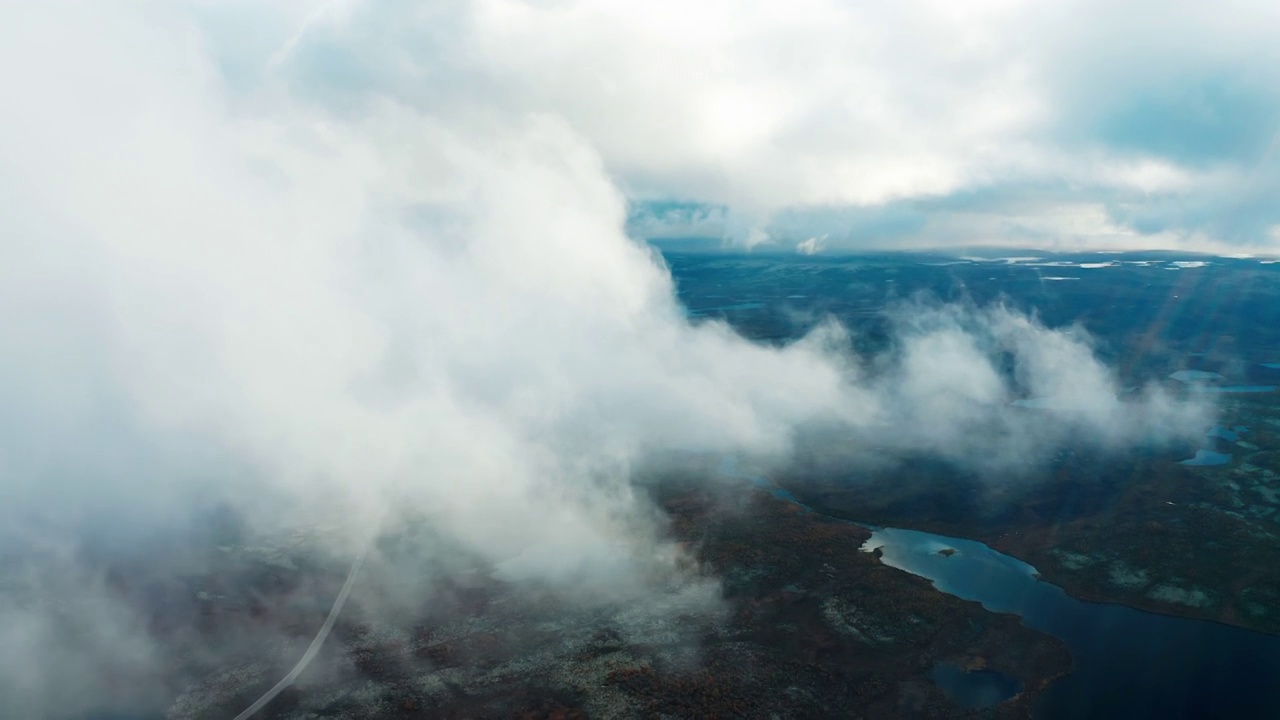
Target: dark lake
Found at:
1128, 663
975, 688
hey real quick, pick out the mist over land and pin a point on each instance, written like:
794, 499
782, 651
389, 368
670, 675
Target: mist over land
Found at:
398, 308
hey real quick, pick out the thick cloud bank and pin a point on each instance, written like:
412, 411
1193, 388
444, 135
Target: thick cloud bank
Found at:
362, 306
1066, 124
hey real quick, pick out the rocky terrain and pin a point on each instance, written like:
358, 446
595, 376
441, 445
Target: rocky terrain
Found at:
782, 616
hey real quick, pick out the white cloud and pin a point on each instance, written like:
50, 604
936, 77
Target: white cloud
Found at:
812, 246
823, 103
394, 282
755, 106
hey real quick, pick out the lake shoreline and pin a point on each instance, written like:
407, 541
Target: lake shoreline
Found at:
1126, 662
1019, 546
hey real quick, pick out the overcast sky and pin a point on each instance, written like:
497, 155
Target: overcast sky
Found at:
1064, 124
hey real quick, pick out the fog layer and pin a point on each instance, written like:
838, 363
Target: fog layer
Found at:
356, 313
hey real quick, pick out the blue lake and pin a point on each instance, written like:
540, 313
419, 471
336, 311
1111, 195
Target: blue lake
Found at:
1222, 431
975, 688
1208, 457
1188, 376
1129, 664
1233, 388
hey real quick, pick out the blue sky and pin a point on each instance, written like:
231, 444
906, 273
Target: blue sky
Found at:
1056, 124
